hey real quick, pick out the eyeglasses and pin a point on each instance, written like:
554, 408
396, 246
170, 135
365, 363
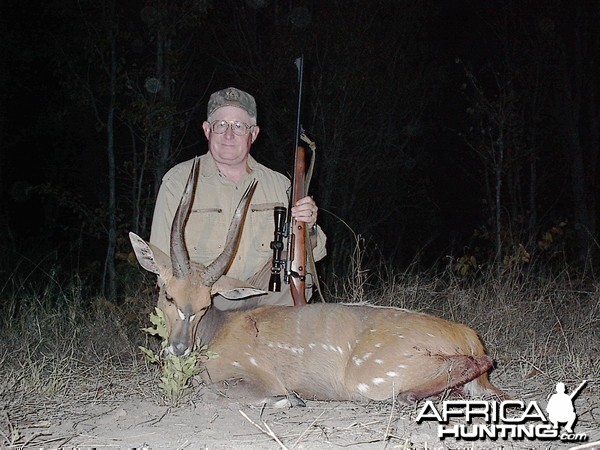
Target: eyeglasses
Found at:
238, 128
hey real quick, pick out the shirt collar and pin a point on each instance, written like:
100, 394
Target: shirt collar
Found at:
209, 168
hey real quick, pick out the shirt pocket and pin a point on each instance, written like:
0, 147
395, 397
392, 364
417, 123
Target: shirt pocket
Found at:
263, 226
205, 234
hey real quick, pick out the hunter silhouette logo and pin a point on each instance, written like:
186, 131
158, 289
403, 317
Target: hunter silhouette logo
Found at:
560, 406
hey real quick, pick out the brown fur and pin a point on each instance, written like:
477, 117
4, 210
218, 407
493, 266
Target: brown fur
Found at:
323, 351
346, 352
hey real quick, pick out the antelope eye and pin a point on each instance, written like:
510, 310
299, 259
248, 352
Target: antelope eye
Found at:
169, 298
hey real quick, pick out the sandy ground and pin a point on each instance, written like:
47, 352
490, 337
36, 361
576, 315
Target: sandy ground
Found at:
226, 418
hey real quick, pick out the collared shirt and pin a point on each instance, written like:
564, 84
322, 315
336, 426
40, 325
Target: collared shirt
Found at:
214, 204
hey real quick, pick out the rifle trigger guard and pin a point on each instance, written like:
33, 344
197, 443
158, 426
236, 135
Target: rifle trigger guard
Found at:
295, 274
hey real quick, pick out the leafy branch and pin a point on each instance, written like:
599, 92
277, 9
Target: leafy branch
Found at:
177, 371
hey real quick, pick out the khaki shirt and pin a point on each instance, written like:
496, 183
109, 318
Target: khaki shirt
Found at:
214, 204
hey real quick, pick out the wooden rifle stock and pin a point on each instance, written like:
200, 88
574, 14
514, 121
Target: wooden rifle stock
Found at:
297, 238
295, 273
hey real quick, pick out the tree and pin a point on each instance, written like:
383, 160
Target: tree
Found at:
134, 93
495, 135
102, 47
160, 84
578, 69
363, 106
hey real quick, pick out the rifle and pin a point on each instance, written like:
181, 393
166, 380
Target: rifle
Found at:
573, 394
294, 265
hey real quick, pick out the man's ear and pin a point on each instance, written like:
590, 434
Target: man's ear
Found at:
255, 132
206, 128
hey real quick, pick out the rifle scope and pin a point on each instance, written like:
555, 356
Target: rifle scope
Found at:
279, 215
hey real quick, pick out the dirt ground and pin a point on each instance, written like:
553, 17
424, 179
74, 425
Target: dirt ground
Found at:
110, 414
97, 391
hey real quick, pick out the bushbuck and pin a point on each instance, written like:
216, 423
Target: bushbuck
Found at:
317, 351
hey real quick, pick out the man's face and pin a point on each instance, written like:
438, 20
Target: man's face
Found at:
228, 148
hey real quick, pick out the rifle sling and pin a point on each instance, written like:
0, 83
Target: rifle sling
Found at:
310, 259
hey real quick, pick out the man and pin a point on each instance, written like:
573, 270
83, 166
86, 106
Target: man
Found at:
560, 408
225, 173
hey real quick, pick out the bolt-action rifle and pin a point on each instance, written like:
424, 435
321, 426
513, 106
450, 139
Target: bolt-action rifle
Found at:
294, 263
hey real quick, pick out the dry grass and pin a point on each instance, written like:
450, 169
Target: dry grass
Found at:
60, 350
532, 327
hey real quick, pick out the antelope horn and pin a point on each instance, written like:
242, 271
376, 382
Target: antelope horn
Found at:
180, 257
218, 267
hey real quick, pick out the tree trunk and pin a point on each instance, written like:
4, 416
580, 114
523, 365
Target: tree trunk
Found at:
498, 169
110, 270
584, 227
577, 96
163, 50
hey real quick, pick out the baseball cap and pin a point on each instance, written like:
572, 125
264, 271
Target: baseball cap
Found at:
232, 97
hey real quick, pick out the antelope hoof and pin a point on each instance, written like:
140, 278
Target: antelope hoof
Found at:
407, 398
283, 401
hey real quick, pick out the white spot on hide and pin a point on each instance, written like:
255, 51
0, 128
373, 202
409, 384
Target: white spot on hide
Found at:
356, 360
378, 361
253, 361
236, 364
401, 366
377, 381
291, 348
378, 345
392, 374
363, 388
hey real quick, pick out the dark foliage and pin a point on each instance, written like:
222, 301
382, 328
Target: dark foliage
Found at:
466, 128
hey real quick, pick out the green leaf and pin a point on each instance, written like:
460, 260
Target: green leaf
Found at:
149, 354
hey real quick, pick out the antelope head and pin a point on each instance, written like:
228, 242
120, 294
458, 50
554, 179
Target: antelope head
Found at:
186, 287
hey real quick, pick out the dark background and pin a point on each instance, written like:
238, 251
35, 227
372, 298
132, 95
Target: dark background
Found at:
458, 135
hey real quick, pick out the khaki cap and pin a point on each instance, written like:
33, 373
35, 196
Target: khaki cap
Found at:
232, 97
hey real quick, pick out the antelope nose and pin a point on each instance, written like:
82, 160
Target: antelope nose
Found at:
180, 349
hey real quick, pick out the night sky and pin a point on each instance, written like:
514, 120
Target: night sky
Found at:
424, 112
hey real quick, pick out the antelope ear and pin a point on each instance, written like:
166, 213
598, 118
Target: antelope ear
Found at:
149, 256
234, 289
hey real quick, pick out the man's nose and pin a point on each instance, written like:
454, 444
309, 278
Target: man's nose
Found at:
229, 131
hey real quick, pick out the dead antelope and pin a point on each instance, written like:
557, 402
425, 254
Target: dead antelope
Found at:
321, 351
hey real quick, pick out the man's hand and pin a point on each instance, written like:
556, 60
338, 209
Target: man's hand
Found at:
306, 211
